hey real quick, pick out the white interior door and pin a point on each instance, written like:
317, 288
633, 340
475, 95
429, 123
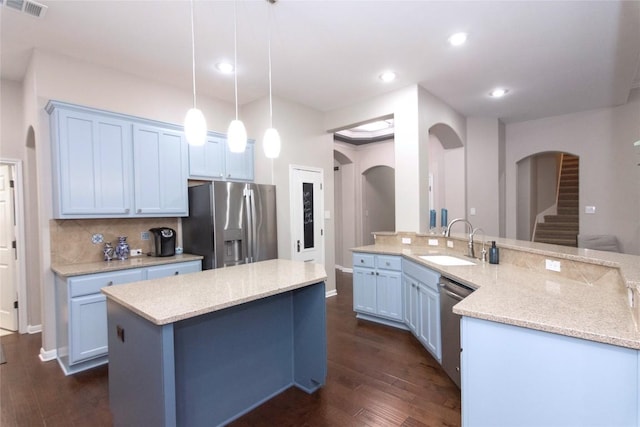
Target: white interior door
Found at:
8, 287
307, 214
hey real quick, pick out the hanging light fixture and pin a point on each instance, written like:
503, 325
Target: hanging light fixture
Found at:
236, 134
271, 142
195, 125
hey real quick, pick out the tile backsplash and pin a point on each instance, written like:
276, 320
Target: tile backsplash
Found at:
71, 239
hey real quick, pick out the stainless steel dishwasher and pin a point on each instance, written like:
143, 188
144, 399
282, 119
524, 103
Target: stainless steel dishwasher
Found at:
451, 293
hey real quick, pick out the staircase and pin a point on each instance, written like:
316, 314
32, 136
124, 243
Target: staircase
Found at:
562, 229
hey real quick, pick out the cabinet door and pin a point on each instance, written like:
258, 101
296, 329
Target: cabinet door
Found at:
429, 327
410, 302
160, 177
87, 327
364, 290
173, 269
239, 166
389, 294
92, 165
207, 161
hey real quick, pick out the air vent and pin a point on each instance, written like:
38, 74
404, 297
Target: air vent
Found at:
26, 6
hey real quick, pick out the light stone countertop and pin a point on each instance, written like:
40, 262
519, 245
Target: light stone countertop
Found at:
69, 270
595, 307
175, 298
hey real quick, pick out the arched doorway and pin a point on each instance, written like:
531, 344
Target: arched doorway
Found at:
378, 201
548, 198
344, 208
447, 176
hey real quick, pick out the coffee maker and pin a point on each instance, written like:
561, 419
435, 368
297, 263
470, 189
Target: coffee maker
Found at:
165, 241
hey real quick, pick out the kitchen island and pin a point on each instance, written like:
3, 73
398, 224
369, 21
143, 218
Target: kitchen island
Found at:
205, 348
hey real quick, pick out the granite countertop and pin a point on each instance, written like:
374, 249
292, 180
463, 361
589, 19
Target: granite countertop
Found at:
69, 270
595, 307
175, 298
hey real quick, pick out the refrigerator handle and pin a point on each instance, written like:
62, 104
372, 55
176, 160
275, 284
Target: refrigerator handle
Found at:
247, 206
254, 227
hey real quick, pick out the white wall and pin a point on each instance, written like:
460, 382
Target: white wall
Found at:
609, 175
483, 174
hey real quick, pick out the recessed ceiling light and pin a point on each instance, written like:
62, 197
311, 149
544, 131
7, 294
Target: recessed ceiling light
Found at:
498, 93
458, 39
224, 67
388, 76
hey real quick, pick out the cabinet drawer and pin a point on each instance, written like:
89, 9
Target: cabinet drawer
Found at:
173, 269
425, 276
389, 262
91, 284
363, 260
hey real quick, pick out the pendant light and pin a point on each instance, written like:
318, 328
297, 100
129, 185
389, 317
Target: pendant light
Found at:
237, 134
195, 126
271, 142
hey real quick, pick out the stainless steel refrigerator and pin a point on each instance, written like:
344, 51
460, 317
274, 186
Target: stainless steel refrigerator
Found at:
231, 223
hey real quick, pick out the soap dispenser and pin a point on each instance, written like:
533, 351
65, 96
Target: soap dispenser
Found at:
494, 254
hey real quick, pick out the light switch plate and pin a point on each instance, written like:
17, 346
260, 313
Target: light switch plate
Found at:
589, 209
449, 243
472, 211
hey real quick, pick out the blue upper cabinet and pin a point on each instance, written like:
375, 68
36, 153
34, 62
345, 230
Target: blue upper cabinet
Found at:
91, 164
108, 165
207, 161
239, 166
213, 160
159, 165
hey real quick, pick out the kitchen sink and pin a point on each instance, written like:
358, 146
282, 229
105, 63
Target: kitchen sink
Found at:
446, 260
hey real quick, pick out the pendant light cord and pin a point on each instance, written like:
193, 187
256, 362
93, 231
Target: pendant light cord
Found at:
193, 57
235, 51
269, 52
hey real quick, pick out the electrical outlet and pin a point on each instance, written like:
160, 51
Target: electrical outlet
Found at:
433, 242
589, 209
144, 235
135, 252
406, 240
552, 265
449, 243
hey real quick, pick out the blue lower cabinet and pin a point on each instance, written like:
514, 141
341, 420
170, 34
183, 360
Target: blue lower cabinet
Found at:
377, 289
81, 312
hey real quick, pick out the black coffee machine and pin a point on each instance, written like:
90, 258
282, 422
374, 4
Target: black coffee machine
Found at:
165, 241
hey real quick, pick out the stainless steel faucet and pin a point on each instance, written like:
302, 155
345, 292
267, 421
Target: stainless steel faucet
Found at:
470, 252
484, 251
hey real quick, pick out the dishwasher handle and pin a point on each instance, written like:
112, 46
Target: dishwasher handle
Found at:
452, 295
455, 290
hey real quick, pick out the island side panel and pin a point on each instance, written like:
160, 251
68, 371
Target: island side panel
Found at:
513, 376
141, 370
310, 337
232, 360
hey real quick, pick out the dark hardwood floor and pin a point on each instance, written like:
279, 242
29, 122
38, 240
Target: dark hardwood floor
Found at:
377, 376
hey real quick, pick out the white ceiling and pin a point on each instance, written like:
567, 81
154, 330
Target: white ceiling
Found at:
555, 57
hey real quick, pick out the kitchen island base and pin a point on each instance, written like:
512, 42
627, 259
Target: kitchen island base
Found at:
211, 369
515, 376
